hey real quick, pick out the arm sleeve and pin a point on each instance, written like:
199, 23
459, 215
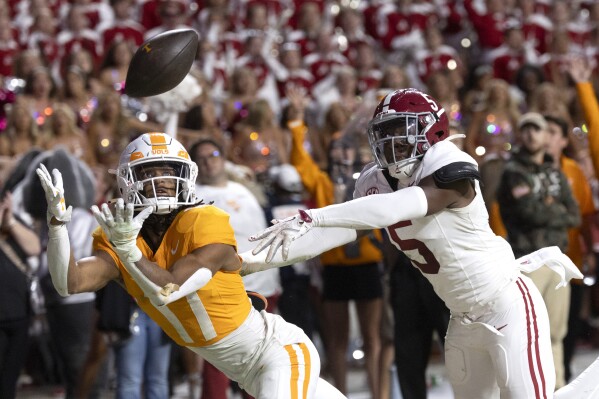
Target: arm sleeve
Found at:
59, 255
317, 241
374, 211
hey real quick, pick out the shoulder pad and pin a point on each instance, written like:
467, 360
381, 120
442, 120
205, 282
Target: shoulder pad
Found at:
454, 172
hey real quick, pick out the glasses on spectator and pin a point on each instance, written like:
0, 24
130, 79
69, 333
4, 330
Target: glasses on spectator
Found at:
214, 154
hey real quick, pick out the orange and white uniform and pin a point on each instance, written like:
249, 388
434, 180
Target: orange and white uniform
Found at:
267, 356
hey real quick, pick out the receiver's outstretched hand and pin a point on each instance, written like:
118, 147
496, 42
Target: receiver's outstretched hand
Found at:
122, 229
54, 194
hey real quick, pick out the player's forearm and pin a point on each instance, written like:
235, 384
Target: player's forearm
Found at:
160, 286
61, 264
306, 247
374, 211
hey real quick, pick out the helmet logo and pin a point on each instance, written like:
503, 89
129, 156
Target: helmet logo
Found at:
432, 102
183, 154
158, 143
136, 155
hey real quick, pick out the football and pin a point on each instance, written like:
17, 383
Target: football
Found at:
161, 63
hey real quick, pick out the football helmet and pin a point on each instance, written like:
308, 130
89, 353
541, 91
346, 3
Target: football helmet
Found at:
155, 169
406, 123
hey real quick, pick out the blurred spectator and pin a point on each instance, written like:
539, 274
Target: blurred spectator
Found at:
21, 133
17, 243
528, 78
488, 19
42, 38
258, 142
123, 28
78, 34
109, 129
259, 58
580, 239
113, 71
437, 56
294, 74
536, 26
25, 62
242, 92
173, 15
77, 94
443, 88
538, 208
394, 77
309, 24
512, 54
40, 94
491, 131
83, 59
368, 73
69, 318
62, 131
9, 48
96, 13
549, 99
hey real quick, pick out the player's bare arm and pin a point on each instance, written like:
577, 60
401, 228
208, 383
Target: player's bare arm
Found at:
457, 194
213, 257
91, 273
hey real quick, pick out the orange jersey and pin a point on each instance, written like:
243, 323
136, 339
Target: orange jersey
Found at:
219, 307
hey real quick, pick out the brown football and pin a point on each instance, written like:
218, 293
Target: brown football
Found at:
161, 63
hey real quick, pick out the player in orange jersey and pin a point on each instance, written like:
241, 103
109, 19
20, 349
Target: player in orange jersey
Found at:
177, 257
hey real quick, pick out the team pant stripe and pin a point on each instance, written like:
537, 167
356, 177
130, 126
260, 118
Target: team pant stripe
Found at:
307, 360
294, 371
537, 349
529, 306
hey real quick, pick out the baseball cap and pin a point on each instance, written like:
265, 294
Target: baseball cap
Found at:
532, 118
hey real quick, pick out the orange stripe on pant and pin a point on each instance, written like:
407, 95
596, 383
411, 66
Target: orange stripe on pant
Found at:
295, 370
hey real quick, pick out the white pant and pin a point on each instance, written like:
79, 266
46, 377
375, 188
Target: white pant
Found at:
505, 350
270, 359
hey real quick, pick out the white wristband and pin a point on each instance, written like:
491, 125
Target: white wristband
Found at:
374, 211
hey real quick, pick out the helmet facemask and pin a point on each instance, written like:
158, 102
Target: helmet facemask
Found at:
165, 184
398, 142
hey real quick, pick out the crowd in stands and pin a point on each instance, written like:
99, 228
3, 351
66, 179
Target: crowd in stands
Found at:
264, 65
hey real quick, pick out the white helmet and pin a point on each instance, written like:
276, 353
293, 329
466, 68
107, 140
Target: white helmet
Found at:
156, 150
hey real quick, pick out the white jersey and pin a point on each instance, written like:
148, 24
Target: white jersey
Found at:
246, 217
451, 248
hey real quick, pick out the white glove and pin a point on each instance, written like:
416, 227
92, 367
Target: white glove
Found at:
54, 195
283, 233
123, 229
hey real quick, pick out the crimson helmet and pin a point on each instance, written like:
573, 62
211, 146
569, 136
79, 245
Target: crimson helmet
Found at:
406, 123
